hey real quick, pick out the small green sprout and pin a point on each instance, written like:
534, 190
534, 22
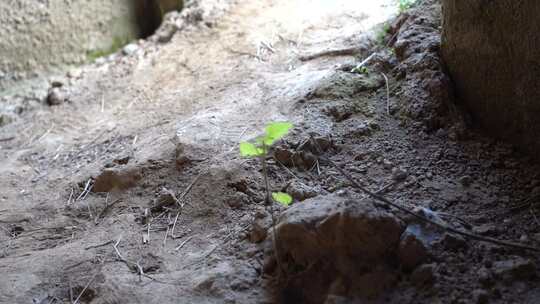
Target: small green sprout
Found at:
259, 148
273, 132
382, 32
404, 5
361, 70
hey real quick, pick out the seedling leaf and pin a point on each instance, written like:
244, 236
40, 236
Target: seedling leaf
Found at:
250, 150
275, 131
282, 198
405, 5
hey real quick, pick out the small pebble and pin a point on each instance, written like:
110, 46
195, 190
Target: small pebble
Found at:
399, 174
465, 180
55, 97
258, 233
130, 49
387, 164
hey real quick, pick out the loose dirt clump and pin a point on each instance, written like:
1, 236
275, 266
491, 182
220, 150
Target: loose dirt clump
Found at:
116, 179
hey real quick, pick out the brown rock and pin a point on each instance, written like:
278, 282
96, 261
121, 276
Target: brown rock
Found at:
55, 97
258, 233
337, 227
122, 160
180, 155
300, 191
283, 155
411, 252
335, 237
320, 145
304, 160
164, 199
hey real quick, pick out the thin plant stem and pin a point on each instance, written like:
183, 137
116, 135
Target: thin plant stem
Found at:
267, 199
269, 202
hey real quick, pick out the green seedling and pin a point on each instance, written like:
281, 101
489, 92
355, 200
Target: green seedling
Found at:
404, 5
361, 70
382, 32
260, 149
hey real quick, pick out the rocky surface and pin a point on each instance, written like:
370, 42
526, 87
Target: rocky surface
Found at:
427, 94
160, 128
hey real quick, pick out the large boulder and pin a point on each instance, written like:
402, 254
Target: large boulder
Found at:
330, 245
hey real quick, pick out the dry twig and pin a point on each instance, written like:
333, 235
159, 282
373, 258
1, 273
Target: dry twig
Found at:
174, 224
244, 54
166, 235
137, 266
387, 94
70, 196
350, 51
183, 243
85, 288
363, 63
98, 245
180, 201
86, 190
